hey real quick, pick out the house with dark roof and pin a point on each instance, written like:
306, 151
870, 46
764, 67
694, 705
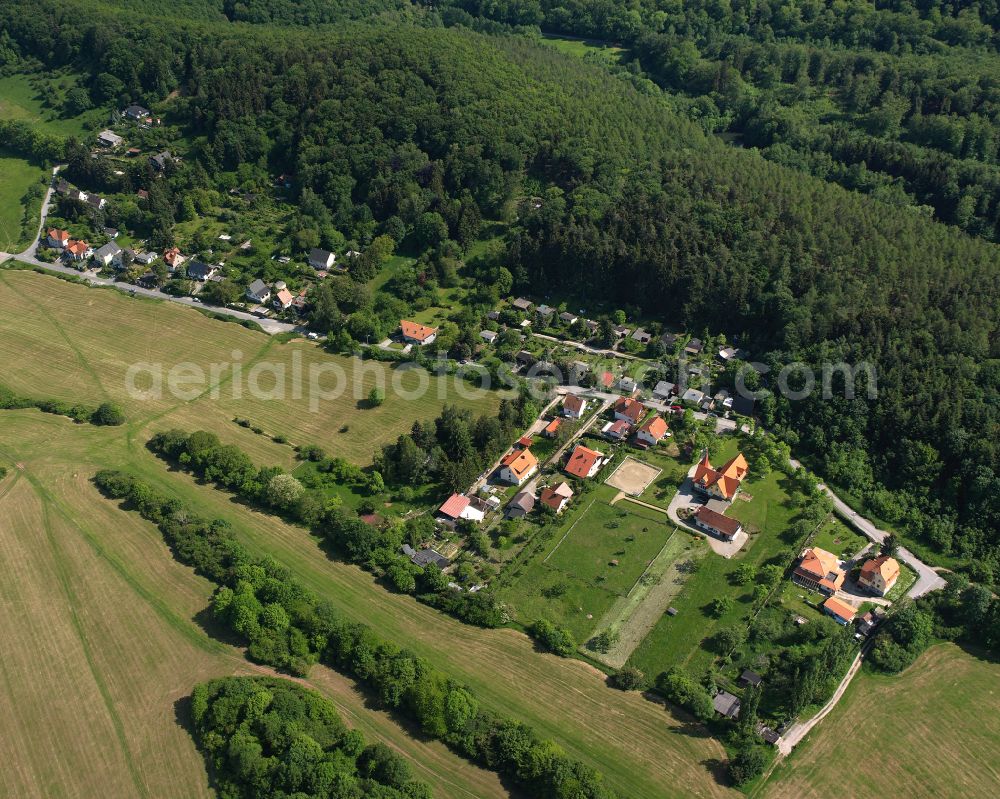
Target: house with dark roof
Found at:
642, 336
750, 679
107, 138
743, 405
522, 304
726, 704
694, 347
160, 160
199, 271
106, 254
426, 557
663, 390
321, 259
258, 291
136, 112
521, 505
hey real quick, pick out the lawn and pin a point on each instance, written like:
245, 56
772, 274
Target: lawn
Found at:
16, 177
89, 338
933, 733
840, 539
37, 99
583, 47
127, 589
684, 639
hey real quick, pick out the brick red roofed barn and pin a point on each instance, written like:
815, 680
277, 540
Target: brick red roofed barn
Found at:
879, 575
584, 462
652, 432
517, 466
574, 406
629, 409
415, 333
724, 482
558, 497
717, 524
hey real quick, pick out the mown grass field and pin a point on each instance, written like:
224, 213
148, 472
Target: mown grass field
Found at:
71, 342
37, 99
16, 177
104, 633
107, 581
931, 733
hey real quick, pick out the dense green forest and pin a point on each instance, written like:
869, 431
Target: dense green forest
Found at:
269, 737
420, 132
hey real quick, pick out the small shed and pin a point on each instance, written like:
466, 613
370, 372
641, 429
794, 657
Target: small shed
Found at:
726, 704
750, 679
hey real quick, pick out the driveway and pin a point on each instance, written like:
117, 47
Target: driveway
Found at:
685, 497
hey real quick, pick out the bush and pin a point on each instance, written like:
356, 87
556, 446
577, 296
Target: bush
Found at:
109, 414
748, 763
557, 640
629, 678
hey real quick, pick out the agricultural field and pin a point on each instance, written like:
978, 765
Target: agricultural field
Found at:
935, 729
89, 338
114, 583
105, 634
16, 176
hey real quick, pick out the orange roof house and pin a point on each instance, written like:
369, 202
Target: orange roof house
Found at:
652, 432
517, 466
172, 257
416, 333
57, 238
552, 428
723, 482
629, 409
557, 497
77, 250
841, 612
879, 575
819, 570
584, 462
459, 506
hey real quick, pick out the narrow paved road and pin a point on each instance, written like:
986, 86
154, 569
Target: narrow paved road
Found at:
27, 256
927, 579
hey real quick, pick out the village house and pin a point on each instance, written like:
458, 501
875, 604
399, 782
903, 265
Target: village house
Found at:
622, 331
663, 390
819, 570
160, 160
750, 679
518, 466
717, 524
110, 232
136, 113
552, 428
459, 506
78, 250
57, 238
321, 259
415, 333
726, 704
544, 312
525, 358
199, 271
258, 291
574, 406
522, 304
642, 336
148, 280
724, 482
841, 612
879, 575
584, 462
557, 497
489, 336
568, 318
520, 506
694, 347
173, 259
145, 258
426, 557
626, 384
629, 410
693, 396
617, 430
282, 299
652, 432
106, 254
95, 201
108, 139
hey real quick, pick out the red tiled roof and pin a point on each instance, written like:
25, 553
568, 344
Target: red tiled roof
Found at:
883, 565
573, 403
728, 477
632, 408
840, 609
416, 331
553, 426
454, 506
582, 461
520, 462
717, 521
554, 497
656, 427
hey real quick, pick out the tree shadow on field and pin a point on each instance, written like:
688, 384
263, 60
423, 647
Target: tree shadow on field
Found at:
719, 771
216, 630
